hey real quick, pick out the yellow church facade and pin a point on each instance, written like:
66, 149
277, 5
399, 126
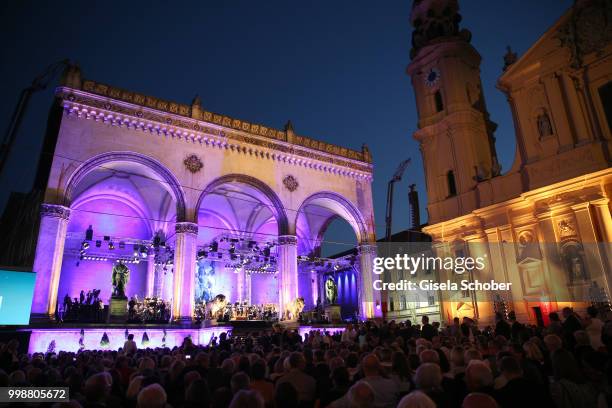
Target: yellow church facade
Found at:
545, 223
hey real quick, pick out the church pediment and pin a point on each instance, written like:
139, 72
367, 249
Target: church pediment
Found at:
584, 29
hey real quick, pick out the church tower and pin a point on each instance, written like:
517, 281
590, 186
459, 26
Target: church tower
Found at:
454, 130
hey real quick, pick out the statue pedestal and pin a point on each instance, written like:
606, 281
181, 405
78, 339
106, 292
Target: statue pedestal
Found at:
333, 314
118, 310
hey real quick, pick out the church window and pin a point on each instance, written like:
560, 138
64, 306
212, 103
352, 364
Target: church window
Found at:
439, 102
452, 186
605, 94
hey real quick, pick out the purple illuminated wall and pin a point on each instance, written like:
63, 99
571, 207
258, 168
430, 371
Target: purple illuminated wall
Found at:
68, 339
264, 289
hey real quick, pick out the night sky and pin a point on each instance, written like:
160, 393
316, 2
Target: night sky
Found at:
335, 68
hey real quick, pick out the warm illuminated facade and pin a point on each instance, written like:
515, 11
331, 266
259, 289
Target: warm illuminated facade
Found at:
556, 196
197, 204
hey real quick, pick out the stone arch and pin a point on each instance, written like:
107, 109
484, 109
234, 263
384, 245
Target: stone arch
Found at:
98, 161
277, 206
346, 211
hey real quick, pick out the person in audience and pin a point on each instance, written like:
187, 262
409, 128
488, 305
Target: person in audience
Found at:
380, 364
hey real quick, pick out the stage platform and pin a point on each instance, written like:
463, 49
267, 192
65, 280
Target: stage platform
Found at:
72, 338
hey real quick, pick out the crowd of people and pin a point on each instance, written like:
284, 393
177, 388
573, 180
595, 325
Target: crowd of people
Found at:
388, 364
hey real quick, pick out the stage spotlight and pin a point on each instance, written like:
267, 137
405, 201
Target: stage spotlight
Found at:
89, 234
111, 246
336, 267
135, 250
214, 246
85, 245
201, 254
143, 251
98, 244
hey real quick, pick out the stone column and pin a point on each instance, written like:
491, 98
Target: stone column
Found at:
368, 298
150, 281
287, 271
48, 260
247, 287
240, 284
601, 208
183, 292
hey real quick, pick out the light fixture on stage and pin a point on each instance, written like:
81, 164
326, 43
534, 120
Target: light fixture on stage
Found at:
220, 255
121, 245
213, 247
135, 249
336, 267
98, 244
111, 246
84, 245
202, 254
89, 234
144, 251
266, 251
107, 238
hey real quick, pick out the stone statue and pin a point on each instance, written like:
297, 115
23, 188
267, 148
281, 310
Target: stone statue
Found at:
544, 125
331, 291
121, 276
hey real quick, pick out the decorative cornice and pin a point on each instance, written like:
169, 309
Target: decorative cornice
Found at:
54, 210
186, 227
287, 240
137, 111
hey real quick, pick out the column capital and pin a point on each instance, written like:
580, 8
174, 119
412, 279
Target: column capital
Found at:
186, 227
54, 210
367, 248
287, 240
601, 202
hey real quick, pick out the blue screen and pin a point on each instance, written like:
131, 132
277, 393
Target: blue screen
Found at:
16, 291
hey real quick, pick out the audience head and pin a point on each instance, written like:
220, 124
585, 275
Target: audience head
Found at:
479, 400
239, 381
478, 375
428, 377
361, 395
152, 396
247, 399
370, 365
416, 399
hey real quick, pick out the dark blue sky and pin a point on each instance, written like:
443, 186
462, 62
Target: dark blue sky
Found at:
335, 68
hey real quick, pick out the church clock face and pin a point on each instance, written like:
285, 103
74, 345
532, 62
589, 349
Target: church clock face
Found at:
432, 77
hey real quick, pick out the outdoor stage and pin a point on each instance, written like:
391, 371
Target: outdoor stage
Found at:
89, 337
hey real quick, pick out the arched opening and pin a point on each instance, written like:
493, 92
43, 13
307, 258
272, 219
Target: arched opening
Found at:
329, 228
123, 210
239, 221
